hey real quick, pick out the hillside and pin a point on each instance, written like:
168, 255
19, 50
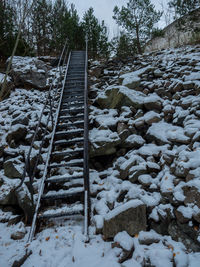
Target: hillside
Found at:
183, 31
144, 167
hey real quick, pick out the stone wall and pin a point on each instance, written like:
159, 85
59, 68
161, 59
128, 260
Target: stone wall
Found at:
185, 30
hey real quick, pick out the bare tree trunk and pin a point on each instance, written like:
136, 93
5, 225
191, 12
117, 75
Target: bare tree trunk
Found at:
138, 41
4, 93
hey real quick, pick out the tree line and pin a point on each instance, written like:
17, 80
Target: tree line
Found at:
47, 26
48, 23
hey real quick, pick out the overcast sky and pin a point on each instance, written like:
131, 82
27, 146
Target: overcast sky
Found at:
104, 10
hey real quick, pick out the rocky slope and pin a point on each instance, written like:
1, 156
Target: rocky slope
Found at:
144, 165
145, 131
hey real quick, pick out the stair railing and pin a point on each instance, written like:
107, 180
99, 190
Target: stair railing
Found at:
41, 189
86, 150
49, 104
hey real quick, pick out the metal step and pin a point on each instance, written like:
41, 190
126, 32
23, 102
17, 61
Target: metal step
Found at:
56, 212
70, 98
78, 98
67, 105
69, 142
67, 125
62, 179
73, 111
69, 117
70, 92
62, 134
67, 153
72, 163
62, 194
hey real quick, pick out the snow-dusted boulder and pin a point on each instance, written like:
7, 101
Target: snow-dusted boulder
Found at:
16, 134
165, 133
103, 142
24, 202
129, 217
7, 194
132, 80
12, 170
29, 72
9, 84
118, 96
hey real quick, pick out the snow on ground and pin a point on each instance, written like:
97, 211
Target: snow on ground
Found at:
63, 245
156, 145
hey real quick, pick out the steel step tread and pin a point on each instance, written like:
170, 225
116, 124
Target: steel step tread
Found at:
67, 117
76, 123
69, 142
72, 163
76, 191
73, 131
63, 178
72, 105
67, 152
55, 212
79, 98
72, 110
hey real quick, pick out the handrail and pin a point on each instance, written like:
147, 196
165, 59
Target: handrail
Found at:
86, 149
48, 159
50, 99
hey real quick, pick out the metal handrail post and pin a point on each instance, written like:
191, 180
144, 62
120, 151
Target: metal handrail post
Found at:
86, 149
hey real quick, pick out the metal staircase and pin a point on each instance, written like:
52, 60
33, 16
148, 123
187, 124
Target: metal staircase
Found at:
64, 189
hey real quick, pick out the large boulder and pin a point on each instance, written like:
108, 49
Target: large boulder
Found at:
12, 170
132, 79
129, 217
7, 194
165, 133
29, 72
9, 84
16, 134
103, 142
118, 96
24, 201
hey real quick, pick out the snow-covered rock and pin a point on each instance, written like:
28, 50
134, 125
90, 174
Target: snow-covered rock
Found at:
129, 217
29, 72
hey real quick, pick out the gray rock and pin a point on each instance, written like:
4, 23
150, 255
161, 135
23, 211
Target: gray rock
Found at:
11, 170
16, 135
129, 217
9, 83
21, 119
133, 141
101, 145
1, 151
136, 171
192, 195
121, 126
29, 72
118, 96
158, 73
180, 217
7, 194
17, 235
153, 103
24, 201
179, 235
152, 117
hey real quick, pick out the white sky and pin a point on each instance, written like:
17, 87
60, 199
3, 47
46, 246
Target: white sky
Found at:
104, 10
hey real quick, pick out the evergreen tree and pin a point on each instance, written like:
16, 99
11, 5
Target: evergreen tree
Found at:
138, 19
123, 46
6, 28
96, 33
183, 7
41, 16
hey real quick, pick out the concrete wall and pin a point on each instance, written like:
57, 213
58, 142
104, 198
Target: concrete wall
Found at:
185, 30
